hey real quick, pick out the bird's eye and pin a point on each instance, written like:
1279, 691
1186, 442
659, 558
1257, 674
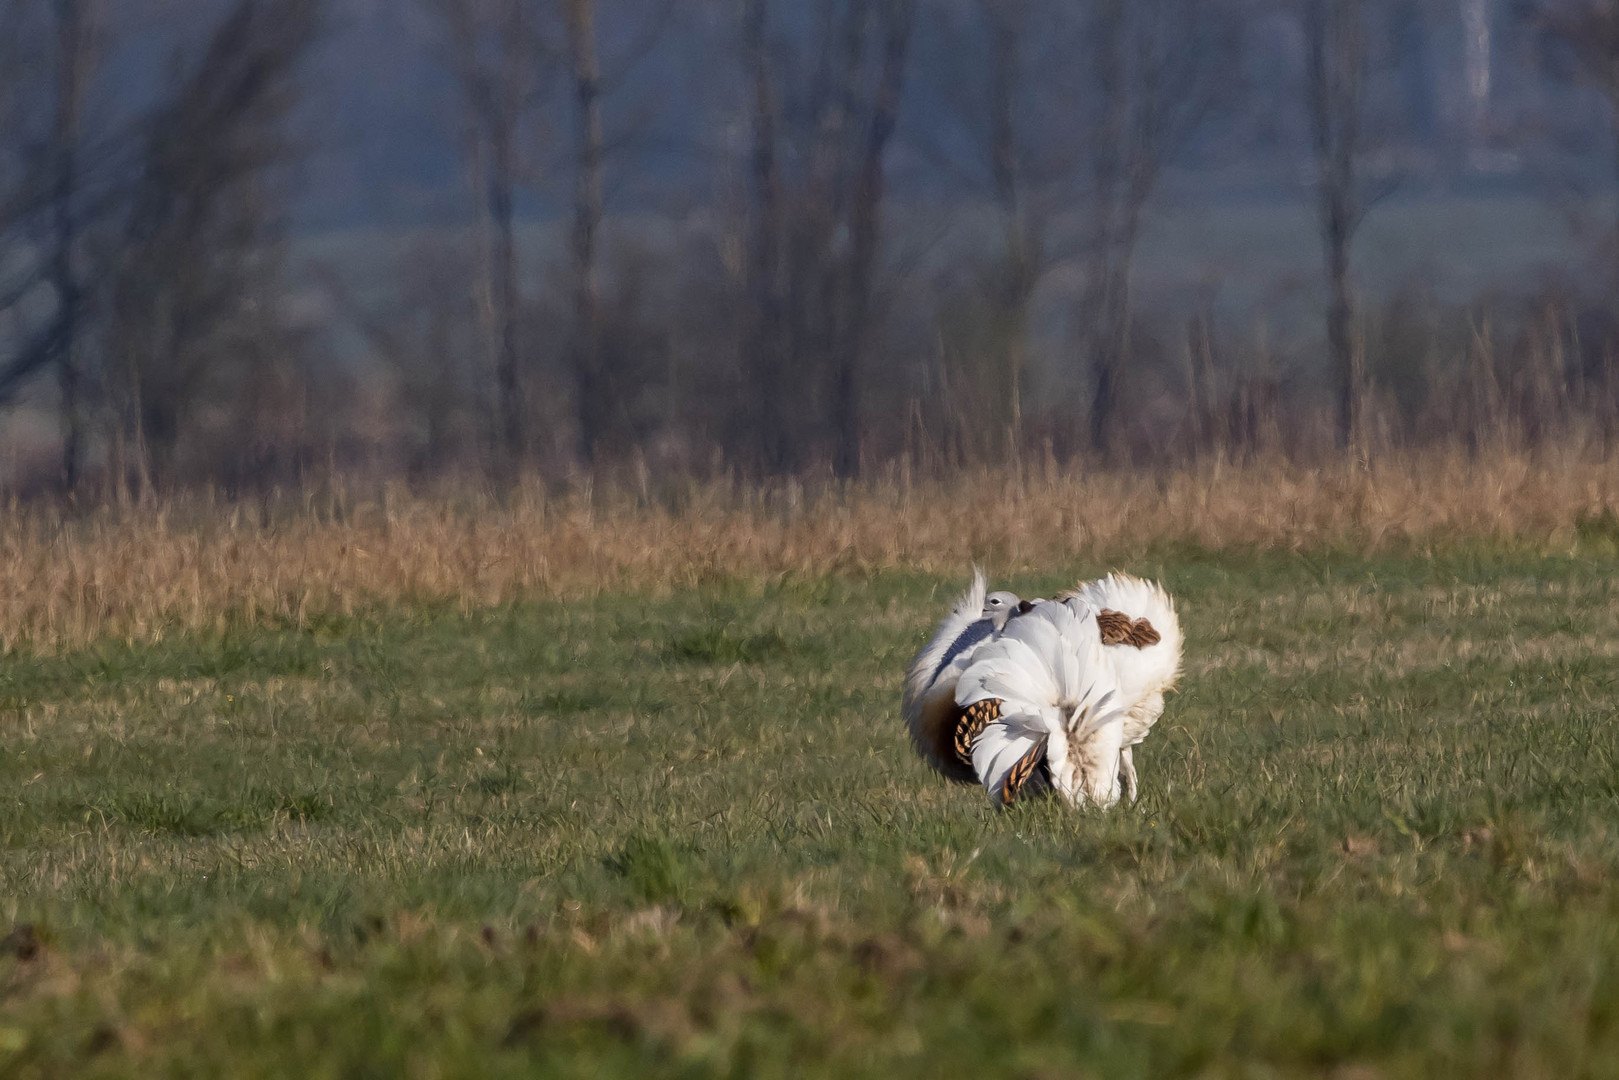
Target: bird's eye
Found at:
994, 603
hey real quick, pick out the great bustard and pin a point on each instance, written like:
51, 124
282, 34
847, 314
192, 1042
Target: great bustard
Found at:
1037, 695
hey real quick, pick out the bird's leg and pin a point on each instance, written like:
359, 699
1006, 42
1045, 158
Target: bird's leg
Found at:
1127, 773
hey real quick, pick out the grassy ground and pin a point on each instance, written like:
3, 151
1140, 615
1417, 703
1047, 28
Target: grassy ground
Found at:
685, 836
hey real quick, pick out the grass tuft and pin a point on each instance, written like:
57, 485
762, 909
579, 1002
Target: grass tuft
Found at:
725, 645
653, 868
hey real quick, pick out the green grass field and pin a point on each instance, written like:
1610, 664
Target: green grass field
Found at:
687, 837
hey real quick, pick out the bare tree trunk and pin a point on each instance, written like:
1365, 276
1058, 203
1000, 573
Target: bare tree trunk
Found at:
1340, 340
502, 182
1476, 49
1613, 127
1007, 26
1104, 393
1604, 30
72, 64
1109, 149
1590, 31
1113, 339
586, 350
821, 298
898, 16
1109, 339
1334, 76
1160, 67
764, 357
492, 58
485, 305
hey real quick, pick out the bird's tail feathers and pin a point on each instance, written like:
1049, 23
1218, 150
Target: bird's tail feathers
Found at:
1093, 711
928, 701
1008, 755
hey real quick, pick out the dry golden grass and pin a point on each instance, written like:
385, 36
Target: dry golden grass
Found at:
137, 573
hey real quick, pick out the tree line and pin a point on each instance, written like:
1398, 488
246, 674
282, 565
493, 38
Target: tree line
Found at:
914, 232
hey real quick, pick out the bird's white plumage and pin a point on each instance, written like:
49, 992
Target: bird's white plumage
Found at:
1070, 708
1058, 696
1144, 674
1001, 745
929, 704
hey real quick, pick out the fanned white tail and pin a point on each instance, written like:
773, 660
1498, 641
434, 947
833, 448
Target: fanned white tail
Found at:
929, 704
1061, 721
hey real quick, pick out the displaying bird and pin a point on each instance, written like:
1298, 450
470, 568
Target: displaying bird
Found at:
929, 704
1055, 719
1027, 696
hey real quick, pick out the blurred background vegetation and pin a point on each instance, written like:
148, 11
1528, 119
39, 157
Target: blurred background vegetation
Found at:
249, 244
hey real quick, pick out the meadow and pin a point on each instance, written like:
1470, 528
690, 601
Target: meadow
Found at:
615, 785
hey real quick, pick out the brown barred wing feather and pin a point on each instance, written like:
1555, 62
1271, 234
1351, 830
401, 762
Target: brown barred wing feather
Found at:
1026, 768
1117, 628
970, 723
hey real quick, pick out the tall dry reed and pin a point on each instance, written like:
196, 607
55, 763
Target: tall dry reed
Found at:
142, 572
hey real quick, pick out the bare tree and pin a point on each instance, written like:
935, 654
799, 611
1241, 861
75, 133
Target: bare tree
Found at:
195, 291
585, 350
1011, 24
1158, 67
74, 42
1009, 28
601, 66
495, 61
763, 345
824, 110
1336, 71
18, 72
865, 223
1590, 29
49, 189
1003, 76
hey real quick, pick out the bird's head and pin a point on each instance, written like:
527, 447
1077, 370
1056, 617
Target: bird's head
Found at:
1000, 606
